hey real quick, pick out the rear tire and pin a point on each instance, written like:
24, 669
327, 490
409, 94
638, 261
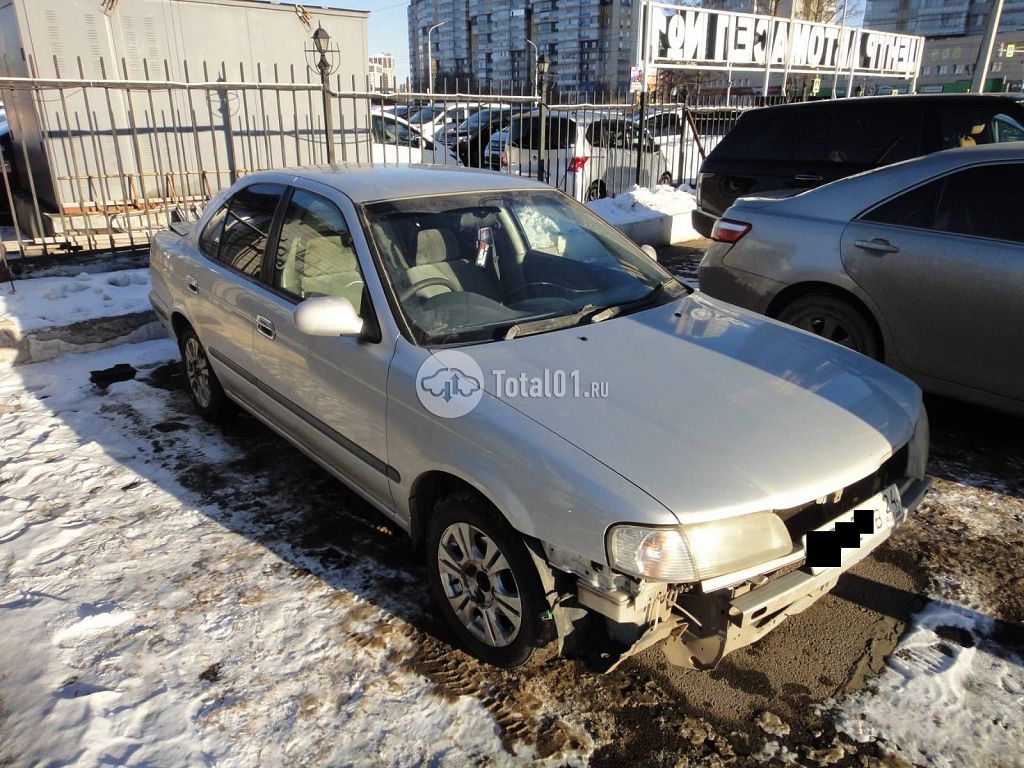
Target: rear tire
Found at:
204, 387
484, 581
834, 319
665, 179
596, 191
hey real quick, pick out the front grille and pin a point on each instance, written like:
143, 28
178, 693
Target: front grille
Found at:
807, 517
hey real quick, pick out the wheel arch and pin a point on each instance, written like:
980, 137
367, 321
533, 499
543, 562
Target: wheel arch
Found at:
791, 293
429, 488
179, 323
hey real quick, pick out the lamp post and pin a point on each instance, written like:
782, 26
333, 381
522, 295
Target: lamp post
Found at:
322, 43
536, 72
542, 77
430, 58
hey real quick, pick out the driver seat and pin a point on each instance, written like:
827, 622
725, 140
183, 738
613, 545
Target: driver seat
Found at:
438, 255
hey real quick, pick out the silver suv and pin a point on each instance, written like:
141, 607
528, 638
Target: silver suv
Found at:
584, 451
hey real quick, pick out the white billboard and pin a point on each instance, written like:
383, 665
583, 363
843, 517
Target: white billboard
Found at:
681, 37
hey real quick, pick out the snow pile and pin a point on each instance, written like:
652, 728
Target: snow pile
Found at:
48, 302
641, 203
142, 624
948, 697
658, 216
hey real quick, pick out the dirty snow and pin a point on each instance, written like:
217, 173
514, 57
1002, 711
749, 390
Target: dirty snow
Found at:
948, 697
140, 626
57, 301
642, 203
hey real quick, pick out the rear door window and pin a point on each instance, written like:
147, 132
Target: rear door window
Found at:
978, 202
773, 135
247, 227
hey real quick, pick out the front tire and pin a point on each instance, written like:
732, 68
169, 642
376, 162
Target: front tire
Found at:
483, 581
665, 179
204, 387
596, 191
836, 320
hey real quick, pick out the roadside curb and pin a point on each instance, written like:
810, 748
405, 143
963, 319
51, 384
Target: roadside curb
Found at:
84, 336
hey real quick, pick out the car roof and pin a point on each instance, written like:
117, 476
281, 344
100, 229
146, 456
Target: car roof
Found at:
916, 98
365, 183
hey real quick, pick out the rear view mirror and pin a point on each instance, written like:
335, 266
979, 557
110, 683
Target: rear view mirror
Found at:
327, 316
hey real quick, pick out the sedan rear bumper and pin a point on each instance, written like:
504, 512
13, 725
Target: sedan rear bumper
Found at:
703, 222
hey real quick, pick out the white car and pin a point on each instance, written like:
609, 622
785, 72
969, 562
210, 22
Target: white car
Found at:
674, 135
395, 142
435, 119
588, 156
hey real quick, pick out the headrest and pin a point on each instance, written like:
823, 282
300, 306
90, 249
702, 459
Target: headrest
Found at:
434, 246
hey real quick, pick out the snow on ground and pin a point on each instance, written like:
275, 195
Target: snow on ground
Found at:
948, 697
642, 203
55, 301
140, 624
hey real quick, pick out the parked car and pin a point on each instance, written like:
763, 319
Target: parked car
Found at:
920, 264
393, 140
358, 313
675, 136
438, 117
471, 136
589, 156
800, 146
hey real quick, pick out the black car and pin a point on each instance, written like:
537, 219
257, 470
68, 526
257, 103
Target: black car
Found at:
470, 137
799, 146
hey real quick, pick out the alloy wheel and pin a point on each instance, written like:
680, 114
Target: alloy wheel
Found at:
479, 584
197, 370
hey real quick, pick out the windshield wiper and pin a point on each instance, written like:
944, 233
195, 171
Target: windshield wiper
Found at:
550, 323
647, 299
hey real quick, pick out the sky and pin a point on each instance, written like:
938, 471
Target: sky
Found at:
387, 27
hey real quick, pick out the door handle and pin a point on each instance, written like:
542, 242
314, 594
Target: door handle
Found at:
265, 327
806, 177
877, 244
192, 283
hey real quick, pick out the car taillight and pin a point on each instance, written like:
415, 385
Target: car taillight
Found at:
700, 183
729, 231
576, 164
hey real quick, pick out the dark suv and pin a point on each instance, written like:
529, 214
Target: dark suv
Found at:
799, 146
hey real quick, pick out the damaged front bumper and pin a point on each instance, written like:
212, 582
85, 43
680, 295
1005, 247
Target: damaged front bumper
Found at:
698, 625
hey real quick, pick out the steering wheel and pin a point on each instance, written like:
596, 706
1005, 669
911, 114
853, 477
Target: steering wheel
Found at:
426, 283
561, 289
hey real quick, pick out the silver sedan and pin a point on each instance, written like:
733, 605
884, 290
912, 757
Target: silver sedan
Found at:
919, 264
584, 451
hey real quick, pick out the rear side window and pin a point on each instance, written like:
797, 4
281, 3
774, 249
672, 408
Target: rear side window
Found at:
776, 134
876, 136
561, 132
247, 226
979, 202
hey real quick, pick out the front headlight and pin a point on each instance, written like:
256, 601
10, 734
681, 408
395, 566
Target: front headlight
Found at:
700, 551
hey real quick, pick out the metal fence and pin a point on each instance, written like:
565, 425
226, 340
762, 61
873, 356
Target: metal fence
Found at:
101, 164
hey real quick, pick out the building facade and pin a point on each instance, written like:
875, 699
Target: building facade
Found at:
382, 72
486, 44
948, 63
940, 18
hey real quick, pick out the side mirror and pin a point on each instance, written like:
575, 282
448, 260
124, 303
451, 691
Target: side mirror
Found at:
327, 316
650, 251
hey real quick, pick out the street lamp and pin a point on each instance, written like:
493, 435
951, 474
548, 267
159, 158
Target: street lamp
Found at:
542, 77
536, 72
322, 45
430, 58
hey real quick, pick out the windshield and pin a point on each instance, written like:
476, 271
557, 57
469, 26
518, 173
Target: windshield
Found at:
488, 117
478, 267
427, 114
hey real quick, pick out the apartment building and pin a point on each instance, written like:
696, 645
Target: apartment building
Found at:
382, 72
940, 18
591, 44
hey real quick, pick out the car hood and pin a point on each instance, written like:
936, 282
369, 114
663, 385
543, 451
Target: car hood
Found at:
709, 409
